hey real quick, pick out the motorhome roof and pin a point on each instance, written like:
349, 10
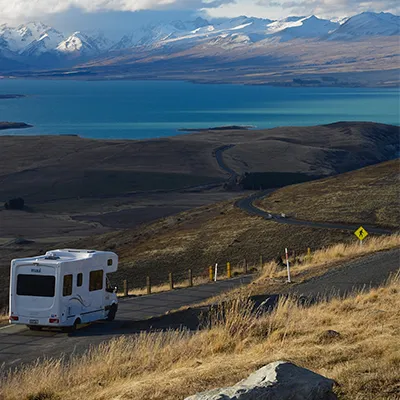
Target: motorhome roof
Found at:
59, 256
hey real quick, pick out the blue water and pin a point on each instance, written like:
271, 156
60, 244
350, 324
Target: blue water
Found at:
147, 109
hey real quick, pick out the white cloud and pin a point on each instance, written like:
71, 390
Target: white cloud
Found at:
323, 8
23, 10
332, 7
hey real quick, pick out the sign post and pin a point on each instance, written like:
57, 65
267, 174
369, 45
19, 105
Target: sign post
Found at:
361, 234
287, 265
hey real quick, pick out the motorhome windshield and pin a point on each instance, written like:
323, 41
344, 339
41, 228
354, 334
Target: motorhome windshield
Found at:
36, 285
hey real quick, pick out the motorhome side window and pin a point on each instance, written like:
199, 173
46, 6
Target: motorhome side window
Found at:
96, 280
67, 286
79, 280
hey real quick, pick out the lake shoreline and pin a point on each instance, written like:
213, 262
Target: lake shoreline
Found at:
14, 125
273, 84
11, 96
154, 109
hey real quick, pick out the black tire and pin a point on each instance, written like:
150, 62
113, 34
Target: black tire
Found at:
112, 313
34, 327
71, 329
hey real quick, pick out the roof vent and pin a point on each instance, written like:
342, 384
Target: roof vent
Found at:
52, 256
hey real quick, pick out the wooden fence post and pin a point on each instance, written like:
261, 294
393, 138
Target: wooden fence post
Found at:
148, 284
245, 266
125, 288
190, 278
171, 281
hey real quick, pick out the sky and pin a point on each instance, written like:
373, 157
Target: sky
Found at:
69, 15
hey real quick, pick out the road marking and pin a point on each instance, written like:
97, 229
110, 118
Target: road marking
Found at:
5, 327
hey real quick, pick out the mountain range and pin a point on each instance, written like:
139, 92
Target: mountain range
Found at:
35, 46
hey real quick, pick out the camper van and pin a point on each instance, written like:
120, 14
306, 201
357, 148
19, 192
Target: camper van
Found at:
63, 288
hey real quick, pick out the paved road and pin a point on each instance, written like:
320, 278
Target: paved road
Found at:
247, 204
19, 344
369, 271
219, 156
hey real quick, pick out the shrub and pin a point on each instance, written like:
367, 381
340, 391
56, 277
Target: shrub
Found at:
15, 204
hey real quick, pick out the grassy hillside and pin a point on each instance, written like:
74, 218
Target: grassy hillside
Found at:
60, 167
368, 196
80, 187
334, 148
352, 340
220, 233
51, 168
202, 237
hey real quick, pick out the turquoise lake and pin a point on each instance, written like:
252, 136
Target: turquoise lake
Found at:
148, 109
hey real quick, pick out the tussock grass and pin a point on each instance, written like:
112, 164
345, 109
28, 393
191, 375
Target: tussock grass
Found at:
181, 284
326, 258
272, 278
3, 316
367, 196
362, 355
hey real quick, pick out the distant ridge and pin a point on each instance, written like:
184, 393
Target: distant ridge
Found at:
36, 40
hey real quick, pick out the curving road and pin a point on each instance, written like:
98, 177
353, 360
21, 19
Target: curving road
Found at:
247, 205
18, 345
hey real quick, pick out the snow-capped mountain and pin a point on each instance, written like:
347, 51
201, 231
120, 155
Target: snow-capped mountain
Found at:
80, 44
155, 34
304, 27
18, 39
368, 24
29, 43
48, 41
76, 43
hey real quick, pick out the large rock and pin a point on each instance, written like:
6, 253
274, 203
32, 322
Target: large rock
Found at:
279, 380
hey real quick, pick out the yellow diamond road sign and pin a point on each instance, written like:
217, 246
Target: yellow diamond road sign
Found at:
361, 233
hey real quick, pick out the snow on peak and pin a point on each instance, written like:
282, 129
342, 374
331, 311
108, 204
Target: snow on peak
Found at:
368, 24
302, 27
35, 38
78, 44
27, 37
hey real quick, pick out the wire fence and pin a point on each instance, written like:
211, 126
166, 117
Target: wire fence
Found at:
129, 285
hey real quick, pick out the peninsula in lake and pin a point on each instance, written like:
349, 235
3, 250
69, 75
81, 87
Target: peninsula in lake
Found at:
13, 125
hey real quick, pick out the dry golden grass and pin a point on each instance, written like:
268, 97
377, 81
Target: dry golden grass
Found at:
196, 239
3, 317
367, 196
273, 278
182, 284
364, 357
302, 267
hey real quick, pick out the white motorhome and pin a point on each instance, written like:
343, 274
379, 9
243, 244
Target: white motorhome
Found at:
62, 289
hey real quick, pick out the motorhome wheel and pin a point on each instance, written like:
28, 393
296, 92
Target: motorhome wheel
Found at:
112, 312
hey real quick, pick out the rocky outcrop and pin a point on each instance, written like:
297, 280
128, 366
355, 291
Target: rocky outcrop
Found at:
279, 380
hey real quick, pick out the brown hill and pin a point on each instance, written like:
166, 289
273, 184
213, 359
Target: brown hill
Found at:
220, 233
370, 195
